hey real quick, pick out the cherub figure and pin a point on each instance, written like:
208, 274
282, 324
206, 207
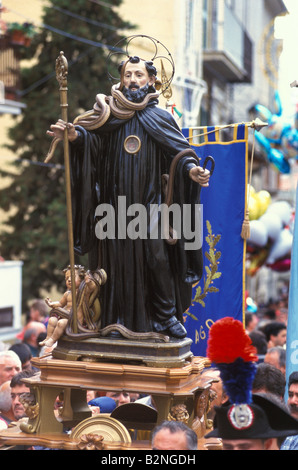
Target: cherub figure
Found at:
87, 288
61, 309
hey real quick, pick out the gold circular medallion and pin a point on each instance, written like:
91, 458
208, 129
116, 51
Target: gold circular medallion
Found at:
102, 425
132, 144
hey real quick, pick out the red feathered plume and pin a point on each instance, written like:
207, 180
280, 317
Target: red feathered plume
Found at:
228, 341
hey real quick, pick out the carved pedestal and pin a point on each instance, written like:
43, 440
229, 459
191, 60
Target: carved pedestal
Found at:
167, 386
138, 351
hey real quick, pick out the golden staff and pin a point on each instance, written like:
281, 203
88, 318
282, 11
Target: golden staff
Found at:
61, 75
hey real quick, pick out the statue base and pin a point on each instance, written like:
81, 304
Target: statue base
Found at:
170, 388
125, 351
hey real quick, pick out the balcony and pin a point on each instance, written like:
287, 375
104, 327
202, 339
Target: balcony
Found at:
9, 77
227, 50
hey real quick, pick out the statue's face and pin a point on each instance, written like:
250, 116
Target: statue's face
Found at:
136, 76
78, 280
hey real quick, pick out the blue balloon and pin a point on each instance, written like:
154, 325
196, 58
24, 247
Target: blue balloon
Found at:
280, 139
278, 160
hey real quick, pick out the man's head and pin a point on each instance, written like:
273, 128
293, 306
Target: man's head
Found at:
247, 444
18, 387
137, 78
259, 341
276, 333
38, 310
33, 329
260, 425
217, 389
251, 321
10, 365
293, 394
269, 379
120, 397
277, 358
174, 435
24, 353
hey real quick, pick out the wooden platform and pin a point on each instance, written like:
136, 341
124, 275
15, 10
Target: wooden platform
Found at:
168, 387
15, 437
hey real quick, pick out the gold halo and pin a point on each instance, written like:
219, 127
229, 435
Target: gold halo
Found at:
160, 51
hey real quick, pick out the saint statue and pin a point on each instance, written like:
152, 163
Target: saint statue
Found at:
119, 151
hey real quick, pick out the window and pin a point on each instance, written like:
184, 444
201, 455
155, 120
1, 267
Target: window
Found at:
6, 317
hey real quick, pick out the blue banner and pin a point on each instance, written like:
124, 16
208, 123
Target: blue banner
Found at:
221, 291
292, 326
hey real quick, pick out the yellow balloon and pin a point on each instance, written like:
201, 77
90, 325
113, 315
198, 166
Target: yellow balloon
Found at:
250, 189
254, 207
264, 199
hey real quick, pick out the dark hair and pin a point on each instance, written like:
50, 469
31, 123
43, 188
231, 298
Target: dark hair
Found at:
175, 427
269, 378
273, 328
270, 314
259, 341
17, 379
23, 351
135, 60
248, 317
293, 378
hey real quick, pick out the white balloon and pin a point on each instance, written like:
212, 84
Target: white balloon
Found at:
282, 247
273, 224
282, 209
258, 233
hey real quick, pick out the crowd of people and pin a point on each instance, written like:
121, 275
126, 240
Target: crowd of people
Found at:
266, 331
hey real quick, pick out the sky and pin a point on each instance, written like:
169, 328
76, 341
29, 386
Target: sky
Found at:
287, 29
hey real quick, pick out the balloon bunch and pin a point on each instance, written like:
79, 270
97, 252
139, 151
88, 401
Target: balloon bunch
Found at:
279, 140
271, 236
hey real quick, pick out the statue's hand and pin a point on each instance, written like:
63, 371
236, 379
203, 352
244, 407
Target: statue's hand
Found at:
57, 130
49, 302
199, 175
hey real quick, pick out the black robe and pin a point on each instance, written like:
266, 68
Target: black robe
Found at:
148, 281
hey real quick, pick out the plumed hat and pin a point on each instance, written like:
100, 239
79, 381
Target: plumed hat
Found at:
245, 416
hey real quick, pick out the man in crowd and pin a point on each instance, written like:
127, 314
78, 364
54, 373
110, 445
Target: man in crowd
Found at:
120, 397
276, 357
174, 435
269, 379
276, 334
293, 394
24, 353
18, 387
261, 425
291, 443
10, 365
